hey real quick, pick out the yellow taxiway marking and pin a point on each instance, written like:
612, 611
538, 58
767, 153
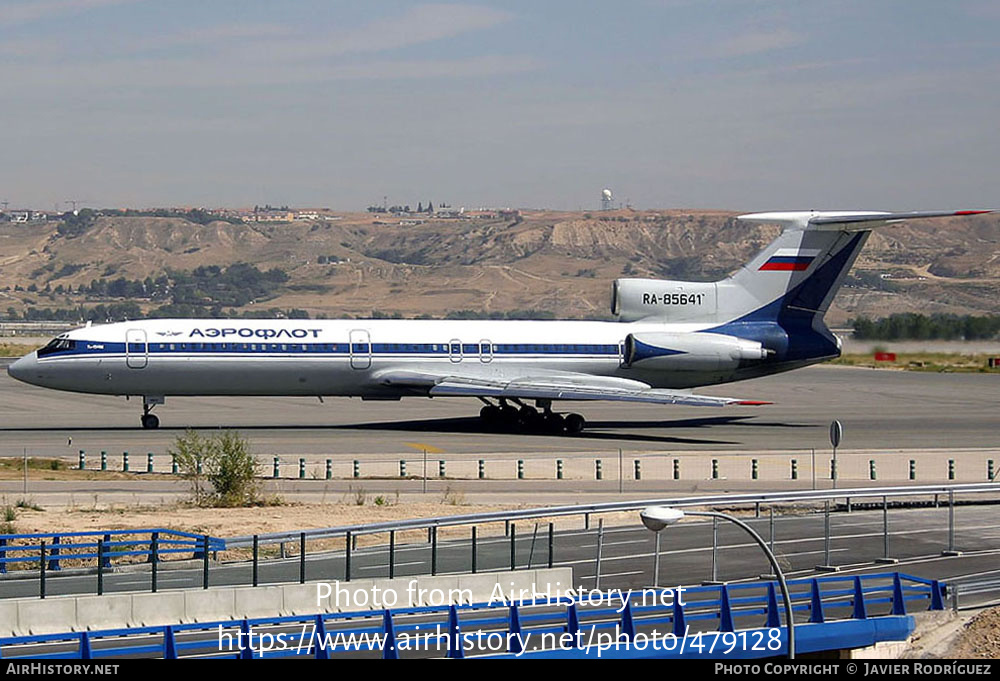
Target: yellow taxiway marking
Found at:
421, 447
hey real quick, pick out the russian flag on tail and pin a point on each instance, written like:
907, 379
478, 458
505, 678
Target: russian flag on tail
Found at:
790, 260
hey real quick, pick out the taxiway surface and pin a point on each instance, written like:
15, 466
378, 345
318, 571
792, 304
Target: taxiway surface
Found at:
879, 409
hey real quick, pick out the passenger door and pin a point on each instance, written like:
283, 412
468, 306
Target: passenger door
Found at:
455, 350
485, 351
360, 349
136, 349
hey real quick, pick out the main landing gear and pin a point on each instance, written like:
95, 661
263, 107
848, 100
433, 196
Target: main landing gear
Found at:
149, 420
505, 417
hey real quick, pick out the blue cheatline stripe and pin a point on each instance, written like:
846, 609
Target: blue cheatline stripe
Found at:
792, 258
86, 348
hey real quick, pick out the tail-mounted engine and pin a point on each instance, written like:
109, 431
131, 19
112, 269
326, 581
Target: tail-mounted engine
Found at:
674, 301
691, 351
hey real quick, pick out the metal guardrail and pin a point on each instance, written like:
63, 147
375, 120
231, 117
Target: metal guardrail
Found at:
151, 545
714, 500
50, 549
973, 588
708, 618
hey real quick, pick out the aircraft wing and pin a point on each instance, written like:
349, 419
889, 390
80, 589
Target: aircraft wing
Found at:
553, 386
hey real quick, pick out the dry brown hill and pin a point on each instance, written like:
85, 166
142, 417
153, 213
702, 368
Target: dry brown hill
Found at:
562, 262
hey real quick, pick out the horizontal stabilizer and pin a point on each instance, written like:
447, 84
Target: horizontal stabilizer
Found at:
849, 220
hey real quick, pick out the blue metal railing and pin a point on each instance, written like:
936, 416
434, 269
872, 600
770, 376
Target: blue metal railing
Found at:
25, 550
842, 611
28, 554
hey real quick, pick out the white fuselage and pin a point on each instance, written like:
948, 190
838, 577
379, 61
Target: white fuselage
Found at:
331, 358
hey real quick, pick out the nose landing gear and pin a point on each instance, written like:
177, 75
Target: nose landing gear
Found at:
149, 420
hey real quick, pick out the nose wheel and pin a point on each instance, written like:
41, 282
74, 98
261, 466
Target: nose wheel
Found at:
149, 420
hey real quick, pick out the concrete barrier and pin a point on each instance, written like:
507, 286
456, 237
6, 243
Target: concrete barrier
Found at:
262, 601
431, 591
482, 586
8, 618
48, 616
25, 616
207, 605
354, 595
103, 612
300, 599
521, 585
150, 610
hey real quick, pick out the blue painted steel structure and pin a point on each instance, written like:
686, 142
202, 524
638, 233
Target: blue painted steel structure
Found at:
736, 621
25, 549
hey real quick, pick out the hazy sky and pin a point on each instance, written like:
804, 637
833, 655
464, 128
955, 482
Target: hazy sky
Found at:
736, 104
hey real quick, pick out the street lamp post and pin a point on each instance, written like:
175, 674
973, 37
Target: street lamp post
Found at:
656, 518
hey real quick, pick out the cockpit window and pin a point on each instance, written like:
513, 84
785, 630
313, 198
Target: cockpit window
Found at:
57, 345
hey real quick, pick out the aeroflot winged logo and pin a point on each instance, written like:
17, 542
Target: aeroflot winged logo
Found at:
232, 332
789, 260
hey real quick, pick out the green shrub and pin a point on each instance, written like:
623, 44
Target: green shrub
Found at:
233, 469
227, 466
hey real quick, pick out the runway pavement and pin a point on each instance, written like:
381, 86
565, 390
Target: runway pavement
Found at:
879, 409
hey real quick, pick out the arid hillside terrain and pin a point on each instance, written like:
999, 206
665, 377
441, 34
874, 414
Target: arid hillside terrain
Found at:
562, 263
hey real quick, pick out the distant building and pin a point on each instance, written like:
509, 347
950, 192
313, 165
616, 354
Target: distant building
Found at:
274, 216
444, 211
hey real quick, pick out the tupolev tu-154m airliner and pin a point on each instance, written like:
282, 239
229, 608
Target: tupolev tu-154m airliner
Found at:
670, 337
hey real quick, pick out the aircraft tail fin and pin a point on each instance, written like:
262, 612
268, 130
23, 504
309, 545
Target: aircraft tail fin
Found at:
792, 281
799, 273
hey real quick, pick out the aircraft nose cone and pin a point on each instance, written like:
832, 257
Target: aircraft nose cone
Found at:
22, 367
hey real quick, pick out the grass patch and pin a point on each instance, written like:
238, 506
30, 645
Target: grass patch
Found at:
46, 468
34, 464
28, 505
16, 349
